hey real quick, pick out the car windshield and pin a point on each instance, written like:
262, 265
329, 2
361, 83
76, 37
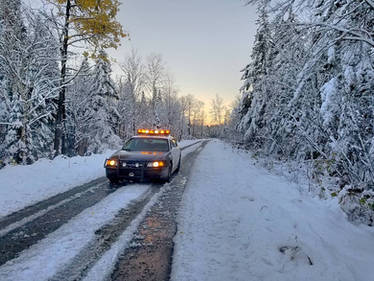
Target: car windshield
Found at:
146, 144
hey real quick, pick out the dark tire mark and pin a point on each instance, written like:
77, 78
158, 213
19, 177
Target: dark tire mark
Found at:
21, 238
150, 258
42, 205
105, 237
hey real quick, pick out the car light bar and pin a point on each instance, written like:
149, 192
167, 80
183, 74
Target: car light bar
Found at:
156, 132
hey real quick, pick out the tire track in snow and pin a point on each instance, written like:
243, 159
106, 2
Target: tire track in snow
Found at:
78, 268
24, 236
23, 216
105, 237
34, 210
22, 229
149, 256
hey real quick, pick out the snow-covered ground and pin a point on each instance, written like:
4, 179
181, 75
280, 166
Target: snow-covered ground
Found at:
238, 222
21, 186
58, 248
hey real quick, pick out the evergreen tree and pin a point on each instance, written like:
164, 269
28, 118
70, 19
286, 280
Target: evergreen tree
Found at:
255, 93
79, 114
28, 84
308, 92
103, 108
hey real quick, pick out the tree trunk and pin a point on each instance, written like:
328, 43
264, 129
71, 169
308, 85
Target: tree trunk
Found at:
189, 120
60, 129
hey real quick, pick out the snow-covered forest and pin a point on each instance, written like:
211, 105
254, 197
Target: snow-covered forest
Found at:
58, 94
308, 94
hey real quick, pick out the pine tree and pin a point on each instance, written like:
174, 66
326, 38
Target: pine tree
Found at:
313, 100
28, 84
103, 108
288, 56
79, 114
255, 94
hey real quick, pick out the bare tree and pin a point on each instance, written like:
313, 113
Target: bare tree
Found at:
217, 110
132, 84
155, 71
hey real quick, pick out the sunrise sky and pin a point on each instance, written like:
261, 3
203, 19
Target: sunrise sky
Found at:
205, 43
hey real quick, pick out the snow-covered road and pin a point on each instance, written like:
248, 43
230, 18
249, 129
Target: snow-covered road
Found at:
61, 246
238, 222
78, 241
22, 186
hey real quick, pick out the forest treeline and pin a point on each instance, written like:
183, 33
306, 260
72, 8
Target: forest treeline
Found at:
308, 93
58, 94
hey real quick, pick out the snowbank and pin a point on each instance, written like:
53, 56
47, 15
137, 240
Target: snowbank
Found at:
184, 143
238, 222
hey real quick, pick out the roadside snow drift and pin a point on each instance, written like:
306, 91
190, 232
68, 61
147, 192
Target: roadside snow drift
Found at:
238, 222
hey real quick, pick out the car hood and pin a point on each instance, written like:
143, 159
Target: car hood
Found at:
140, 155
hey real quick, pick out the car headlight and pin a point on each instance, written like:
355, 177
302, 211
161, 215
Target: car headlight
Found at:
111, 163
156, 164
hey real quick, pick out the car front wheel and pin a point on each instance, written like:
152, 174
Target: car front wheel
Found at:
168, 176
113, 181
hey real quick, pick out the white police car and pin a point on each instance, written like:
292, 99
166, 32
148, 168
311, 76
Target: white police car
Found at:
152, 154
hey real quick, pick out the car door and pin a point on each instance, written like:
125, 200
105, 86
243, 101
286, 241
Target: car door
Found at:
178, 151
174, 153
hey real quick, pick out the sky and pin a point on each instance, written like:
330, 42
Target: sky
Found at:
205, 43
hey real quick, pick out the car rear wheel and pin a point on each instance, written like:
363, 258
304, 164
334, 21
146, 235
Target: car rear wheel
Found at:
179, 165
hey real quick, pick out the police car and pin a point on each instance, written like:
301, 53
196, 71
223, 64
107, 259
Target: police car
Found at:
152, 154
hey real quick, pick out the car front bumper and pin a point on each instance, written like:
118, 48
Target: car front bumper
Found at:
137, 174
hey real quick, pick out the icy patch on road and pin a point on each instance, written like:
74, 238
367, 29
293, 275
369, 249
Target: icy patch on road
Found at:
44, 259
239, 222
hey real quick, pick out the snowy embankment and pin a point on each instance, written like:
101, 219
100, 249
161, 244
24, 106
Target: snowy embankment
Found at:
185, 143
238, 222
22, 186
